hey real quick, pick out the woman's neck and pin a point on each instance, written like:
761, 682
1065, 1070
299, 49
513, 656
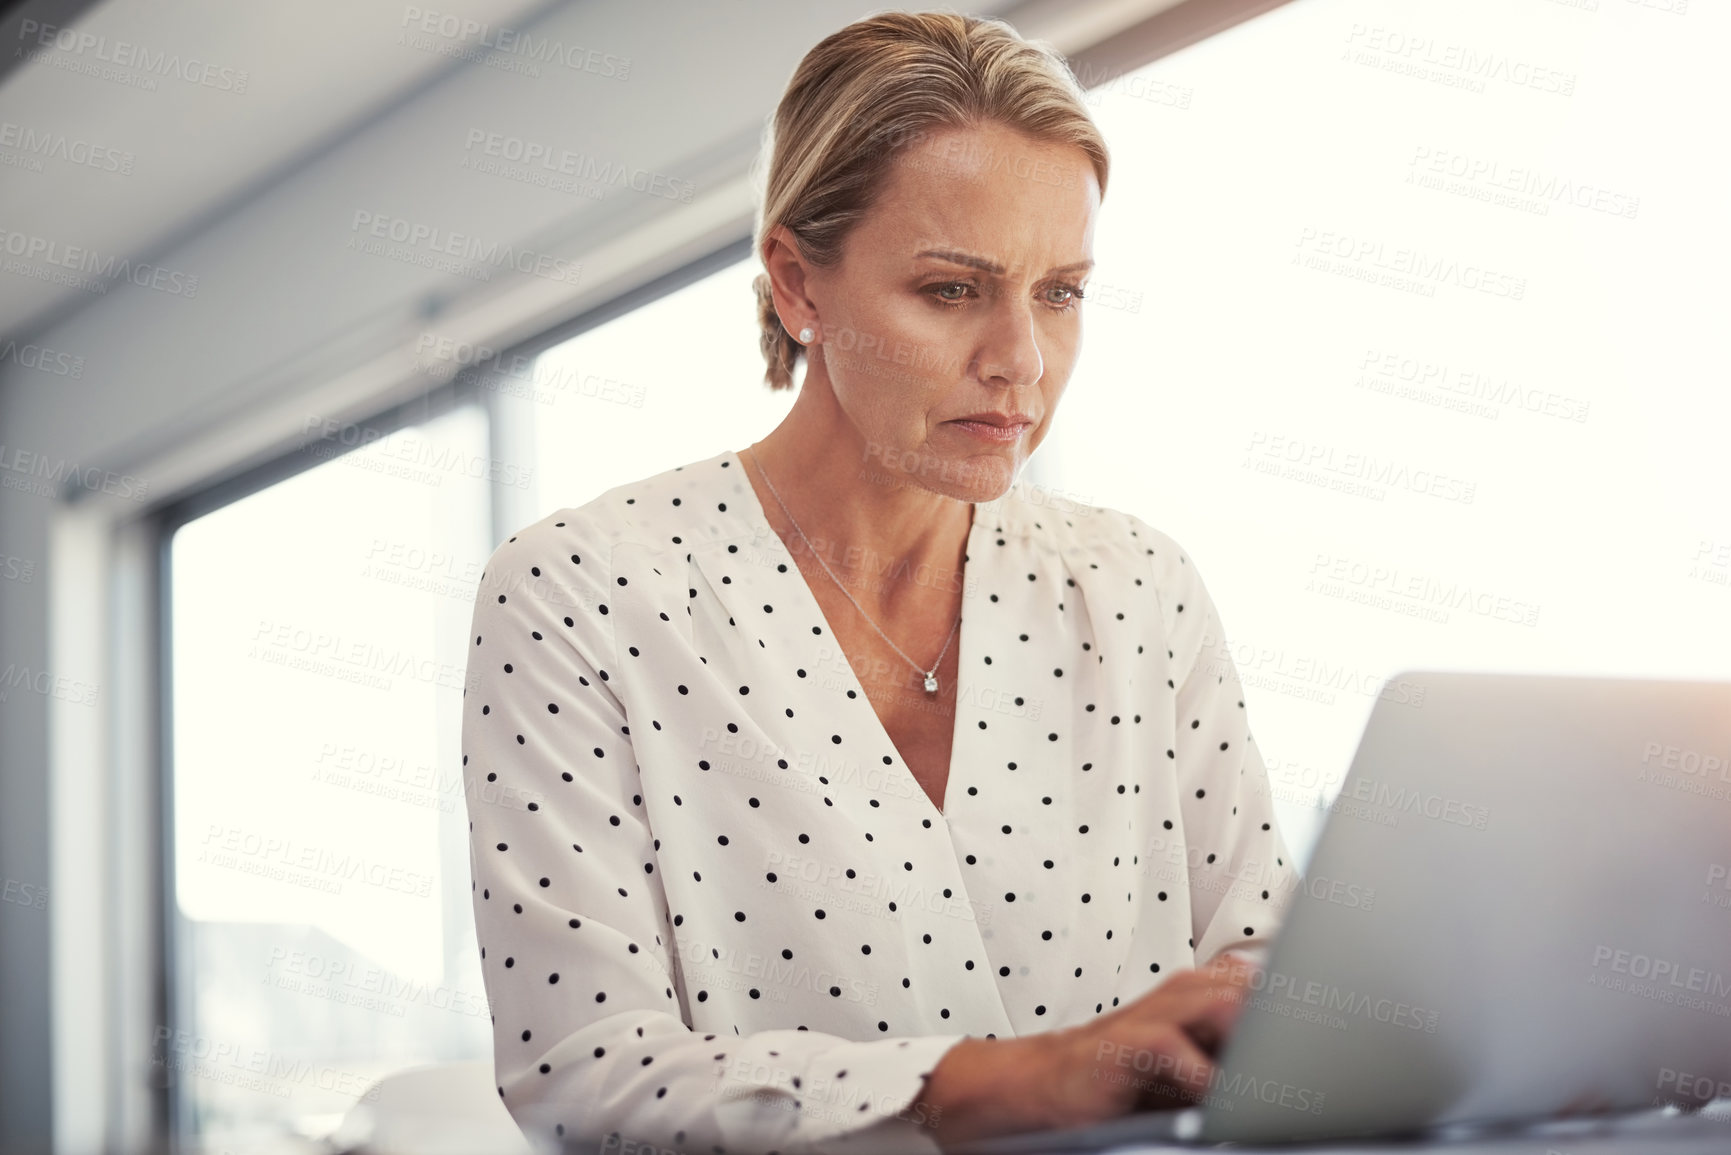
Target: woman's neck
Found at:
882, 533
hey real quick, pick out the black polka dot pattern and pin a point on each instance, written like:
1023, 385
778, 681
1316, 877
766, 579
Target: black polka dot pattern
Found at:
704, 875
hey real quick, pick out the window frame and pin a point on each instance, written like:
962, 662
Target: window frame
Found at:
172, 989
170, 998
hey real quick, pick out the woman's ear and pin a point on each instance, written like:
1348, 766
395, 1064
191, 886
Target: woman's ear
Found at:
788, 270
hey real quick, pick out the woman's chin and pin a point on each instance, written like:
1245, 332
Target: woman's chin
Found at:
978, 476
982, 478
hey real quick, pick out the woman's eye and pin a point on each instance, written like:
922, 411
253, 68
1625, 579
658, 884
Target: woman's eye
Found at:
956, 292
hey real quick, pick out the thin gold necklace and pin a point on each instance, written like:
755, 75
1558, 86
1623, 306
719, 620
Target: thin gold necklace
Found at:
931, 674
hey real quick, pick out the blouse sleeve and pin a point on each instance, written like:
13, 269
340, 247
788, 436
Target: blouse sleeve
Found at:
1241, 873
592, 1041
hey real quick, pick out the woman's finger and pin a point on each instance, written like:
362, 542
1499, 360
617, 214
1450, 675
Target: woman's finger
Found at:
1173, 1071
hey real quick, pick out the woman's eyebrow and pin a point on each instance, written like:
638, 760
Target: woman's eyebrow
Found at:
989, 266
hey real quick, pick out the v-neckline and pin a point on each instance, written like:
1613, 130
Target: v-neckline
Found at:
763, 529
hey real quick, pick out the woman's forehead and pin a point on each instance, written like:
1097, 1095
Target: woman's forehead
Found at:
990, 158
1012, 193
988, 235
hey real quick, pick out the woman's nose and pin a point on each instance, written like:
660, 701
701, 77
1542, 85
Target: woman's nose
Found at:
1010, 352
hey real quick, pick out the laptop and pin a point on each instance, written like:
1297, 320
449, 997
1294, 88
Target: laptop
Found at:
1519, 908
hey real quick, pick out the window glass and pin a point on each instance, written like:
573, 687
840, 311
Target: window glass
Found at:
676, 381
321, 866
1406, 325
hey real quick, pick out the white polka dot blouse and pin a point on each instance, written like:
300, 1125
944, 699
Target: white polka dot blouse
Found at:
715, 910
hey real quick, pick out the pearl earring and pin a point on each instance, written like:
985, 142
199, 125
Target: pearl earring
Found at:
805, 335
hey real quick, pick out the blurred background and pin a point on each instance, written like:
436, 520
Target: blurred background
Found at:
1408, 323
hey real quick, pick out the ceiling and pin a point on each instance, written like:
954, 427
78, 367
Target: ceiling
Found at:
139, 123
128, 127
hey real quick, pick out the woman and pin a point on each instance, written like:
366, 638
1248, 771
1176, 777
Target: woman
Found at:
845, 793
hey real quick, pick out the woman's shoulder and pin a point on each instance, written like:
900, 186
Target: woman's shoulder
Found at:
1112, 540
1050, 517
670, 509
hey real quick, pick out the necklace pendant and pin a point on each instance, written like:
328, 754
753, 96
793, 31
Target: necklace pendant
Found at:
931, 683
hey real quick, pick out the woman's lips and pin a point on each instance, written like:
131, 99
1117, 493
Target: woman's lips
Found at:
1002, 434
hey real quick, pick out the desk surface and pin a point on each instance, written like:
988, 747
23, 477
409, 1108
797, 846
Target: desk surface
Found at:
1707, 1132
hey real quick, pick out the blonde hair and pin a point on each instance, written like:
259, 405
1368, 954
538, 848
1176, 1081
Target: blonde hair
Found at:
874, 88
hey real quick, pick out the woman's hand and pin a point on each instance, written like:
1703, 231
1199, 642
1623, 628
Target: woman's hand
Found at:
1155, 1053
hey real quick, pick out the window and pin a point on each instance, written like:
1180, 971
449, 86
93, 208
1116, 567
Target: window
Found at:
676, 381
1402, 326
325, 936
